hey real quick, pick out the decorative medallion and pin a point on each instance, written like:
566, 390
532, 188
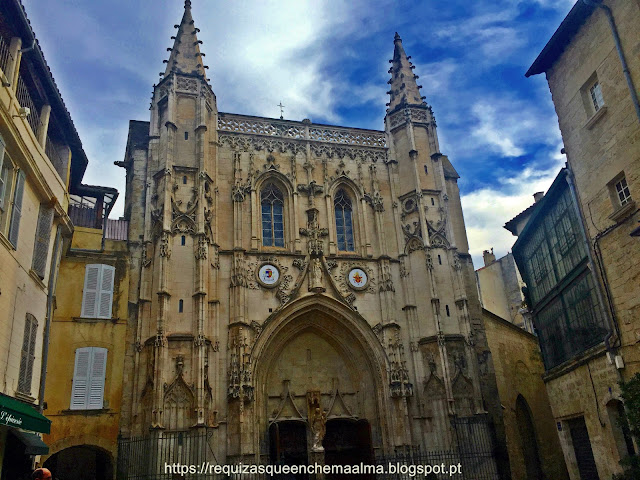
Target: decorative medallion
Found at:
268, 275
358, 279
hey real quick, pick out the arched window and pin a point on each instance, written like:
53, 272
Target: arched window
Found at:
344, 222
272, 216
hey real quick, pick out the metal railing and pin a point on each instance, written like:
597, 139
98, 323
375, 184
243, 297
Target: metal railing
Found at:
25, 100
5, 55
58, 161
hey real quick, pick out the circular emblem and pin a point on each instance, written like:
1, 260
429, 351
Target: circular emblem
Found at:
268, 275
358, 278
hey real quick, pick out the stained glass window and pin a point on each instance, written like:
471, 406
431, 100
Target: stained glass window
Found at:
344, 221
272, 203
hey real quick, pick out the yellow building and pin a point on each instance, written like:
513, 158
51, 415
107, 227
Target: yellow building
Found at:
84, 383
41, 160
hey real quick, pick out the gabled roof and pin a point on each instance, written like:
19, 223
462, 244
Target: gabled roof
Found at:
561, 38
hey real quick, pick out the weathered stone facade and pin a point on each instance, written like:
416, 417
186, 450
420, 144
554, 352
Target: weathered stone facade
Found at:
601, 131
374, 319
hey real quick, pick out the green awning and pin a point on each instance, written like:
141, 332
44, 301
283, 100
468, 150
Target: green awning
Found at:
32, 442
20, 415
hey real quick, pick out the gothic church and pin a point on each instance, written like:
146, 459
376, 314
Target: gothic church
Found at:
299, 292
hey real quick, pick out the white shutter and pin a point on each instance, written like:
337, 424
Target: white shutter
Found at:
80, 379
97, 375
16, 211
105, 300
43, 234
92, 276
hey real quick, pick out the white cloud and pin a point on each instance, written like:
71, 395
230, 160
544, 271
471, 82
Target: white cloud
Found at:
488, 209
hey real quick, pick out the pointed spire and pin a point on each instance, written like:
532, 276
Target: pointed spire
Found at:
185, 55
404, 89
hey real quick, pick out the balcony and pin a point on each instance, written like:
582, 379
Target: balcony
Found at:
89, 207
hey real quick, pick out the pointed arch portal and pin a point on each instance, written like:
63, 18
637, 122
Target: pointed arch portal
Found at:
316, 353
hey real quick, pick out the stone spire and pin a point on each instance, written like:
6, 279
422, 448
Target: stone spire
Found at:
404, 89
185, 55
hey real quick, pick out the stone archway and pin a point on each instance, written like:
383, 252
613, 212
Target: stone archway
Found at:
319, 354
81, 462
528, 442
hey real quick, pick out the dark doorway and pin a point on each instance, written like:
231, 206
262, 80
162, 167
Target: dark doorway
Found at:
528, 442
348, 442
16, 464
288, 444
582, 448
80, 463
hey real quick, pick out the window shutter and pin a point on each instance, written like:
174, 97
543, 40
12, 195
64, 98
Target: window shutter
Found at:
43, 233
80, 379
24, 385
105, 300
16, 211
90, 292
31, 356
96, 383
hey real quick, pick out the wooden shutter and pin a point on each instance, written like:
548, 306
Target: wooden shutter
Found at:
105, 300
97, 376
80, 385
27, 354
92, 276
43, 234
16, 211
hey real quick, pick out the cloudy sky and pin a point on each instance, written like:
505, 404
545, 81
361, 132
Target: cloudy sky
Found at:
328, 61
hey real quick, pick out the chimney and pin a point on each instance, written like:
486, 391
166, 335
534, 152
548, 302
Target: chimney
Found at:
488, 257
538, 196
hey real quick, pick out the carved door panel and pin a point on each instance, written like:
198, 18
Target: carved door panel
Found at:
348, 442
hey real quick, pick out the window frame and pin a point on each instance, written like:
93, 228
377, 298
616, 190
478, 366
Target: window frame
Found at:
27, 354
340, 195
87, 391
270, 187
103, 296
595, 94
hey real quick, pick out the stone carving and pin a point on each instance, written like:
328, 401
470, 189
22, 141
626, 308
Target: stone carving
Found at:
311, 190
429, 261
187, 84
300, 264
184, 222
238, 271
236, 123
314, 233
239, 191
165, 250
386, 283
315, 276
375, 200
240, 384
319, 429
399, 374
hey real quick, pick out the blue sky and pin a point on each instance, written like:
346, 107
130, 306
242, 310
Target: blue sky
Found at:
328, 61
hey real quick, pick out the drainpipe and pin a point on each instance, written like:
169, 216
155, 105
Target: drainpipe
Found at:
616, 39
613, 327
53, 277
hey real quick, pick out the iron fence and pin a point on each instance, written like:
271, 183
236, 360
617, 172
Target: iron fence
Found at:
154, 458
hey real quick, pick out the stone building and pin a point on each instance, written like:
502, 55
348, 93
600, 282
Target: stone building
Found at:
41, 160
500, 287
299, 292
84, 381
593, 69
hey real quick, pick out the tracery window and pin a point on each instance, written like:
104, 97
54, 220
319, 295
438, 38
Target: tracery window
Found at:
272, 203
344, 221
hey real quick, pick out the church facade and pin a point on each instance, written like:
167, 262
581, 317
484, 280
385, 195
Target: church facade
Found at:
299, 292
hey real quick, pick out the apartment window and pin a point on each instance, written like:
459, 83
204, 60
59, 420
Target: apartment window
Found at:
622, 191
27, 355
97, 296
4, 175
87, 391
596, 96
43, 234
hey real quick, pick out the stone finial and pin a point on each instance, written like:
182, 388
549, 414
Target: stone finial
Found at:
404, 89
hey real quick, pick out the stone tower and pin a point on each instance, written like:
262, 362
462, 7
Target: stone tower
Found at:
300, 292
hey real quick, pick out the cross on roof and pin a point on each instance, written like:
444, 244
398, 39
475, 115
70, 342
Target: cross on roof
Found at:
281, 110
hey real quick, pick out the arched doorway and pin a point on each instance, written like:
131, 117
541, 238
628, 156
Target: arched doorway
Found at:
319, 355
528, 442
288, 443
347, 442
81, 462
